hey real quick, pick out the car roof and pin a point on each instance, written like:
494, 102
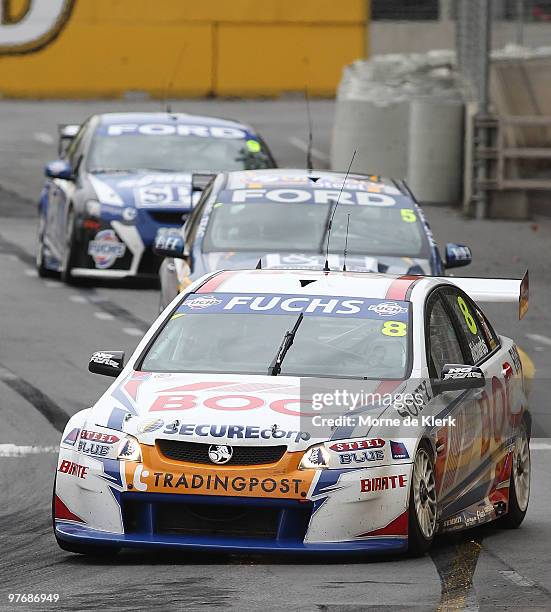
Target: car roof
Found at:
300, 178
168, 118
314, 282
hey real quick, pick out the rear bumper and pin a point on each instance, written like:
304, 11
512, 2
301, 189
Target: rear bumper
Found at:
73, 533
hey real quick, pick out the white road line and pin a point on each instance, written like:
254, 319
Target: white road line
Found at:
44, 138
12, 450
52, 284
79, 299
104, 316
540, 339
516, 578
132, 331
303, 146
30, 272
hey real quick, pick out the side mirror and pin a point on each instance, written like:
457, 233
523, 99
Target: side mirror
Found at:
458, 377
457, 255
67, 132
169, 244
59, 169
108, 363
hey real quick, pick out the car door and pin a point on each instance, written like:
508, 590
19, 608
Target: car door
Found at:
483, 413
454, 441
494, 405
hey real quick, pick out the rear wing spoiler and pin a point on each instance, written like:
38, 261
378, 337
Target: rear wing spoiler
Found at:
496, 290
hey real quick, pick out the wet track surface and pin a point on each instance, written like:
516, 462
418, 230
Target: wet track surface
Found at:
48, 330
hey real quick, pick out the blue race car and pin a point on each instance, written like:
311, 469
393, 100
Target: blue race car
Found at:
123, 177
283, 217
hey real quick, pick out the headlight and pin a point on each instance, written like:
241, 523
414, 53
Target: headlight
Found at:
316, 457
129, 449
93, 208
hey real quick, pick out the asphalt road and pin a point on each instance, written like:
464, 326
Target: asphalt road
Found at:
47, 332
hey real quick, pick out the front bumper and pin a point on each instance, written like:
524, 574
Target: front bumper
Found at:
145, 529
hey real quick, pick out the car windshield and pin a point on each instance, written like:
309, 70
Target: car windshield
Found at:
337, 337
175, 153
302, 227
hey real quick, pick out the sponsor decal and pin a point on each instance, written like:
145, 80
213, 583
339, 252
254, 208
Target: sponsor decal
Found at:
220, 453
382, 483
315, 195
73, 469
129, 213
290, 304
106, 248
163, 195
71, 437
343, 447
478, 349
238, 432
455, 521
462, 372
361, 457
92, 448
170, 129
201, 301
398, 450
388, 309
98, 436
411, 404
104, 358
513, 352
150, 425
227, 484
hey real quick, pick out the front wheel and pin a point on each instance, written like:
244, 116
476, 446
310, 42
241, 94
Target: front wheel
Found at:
69, 250
43, 272
422, 503
519, 484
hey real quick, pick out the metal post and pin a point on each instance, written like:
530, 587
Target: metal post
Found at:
520, 22
482, 89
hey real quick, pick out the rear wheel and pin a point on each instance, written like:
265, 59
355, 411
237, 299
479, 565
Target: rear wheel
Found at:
519, 484
422, 503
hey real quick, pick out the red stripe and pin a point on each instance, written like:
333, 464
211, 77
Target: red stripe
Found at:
214, 282
399, 526
399, 287
62, 512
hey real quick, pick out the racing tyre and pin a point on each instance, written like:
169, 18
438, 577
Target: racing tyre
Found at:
422, 503
69, 250
519, 485
82, 549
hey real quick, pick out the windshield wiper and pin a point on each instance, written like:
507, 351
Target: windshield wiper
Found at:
327, 225
286, 344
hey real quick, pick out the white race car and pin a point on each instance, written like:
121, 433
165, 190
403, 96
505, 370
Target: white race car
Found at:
303, 411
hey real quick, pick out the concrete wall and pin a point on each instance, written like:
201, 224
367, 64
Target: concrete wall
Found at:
421, 36
91, 48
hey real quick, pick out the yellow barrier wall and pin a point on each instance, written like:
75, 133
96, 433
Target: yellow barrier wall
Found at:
95, 48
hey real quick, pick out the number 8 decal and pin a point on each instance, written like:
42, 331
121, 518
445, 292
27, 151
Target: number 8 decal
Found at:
471, 324
394, 328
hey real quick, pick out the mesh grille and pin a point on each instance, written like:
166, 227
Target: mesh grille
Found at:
194, 452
